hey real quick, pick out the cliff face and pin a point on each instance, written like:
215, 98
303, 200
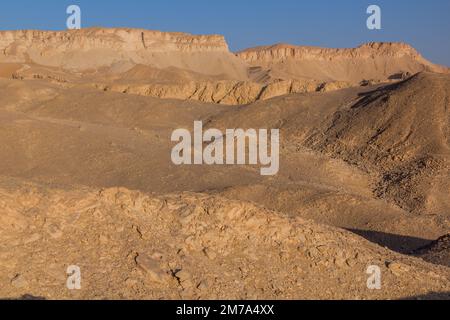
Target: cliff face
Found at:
371, 61
119, 39
282, 52
96, 48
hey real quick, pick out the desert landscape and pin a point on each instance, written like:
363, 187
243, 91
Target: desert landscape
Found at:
86, 176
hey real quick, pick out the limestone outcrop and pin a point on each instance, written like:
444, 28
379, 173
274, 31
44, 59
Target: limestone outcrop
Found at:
81, 50
378, 61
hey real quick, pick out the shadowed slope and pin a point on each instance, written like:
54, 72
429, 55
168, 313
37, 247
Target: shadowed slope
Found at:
401, 132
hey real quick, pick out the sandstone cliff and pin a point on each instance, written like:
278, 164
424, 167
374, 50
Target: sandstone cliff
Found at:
282, 52
377, 61
94, 48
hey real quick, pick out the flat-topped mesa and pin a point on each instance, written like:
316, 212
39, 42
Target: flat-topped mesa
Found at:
281, 52
371, 50
98, 47
123, 39
374, 60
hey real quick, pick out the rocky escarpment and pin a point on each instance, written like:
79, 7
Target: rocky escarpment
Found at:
223, 92
378, 61
85, 49
120, 39
282, 52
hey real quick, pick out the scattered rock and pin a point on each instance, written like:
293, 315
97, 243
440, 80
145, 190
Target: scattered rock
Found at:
397, 268
19, 281
151, 267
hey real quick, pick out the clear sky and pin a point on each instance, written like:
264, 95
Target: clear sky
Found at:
425, 24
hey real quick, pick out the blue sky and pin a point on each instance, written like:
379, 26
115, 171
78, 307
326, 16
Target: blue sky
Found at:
245, 23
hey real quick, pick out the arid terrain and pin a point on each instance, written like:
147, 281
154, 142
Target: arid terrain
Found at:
86, 176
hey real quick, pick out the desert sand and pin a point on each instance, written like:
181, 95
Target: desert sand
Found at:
86, 176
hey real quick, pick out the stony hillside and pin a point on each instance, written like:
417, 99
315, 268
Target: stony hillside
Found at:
437, 252
134, 245
401, 132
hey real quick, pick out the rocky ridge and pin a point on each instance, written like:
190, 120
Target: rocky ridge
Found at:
224, 92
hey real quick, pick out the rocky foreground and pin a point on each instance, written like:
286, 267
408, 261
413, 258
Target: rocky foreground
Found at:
134, 245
